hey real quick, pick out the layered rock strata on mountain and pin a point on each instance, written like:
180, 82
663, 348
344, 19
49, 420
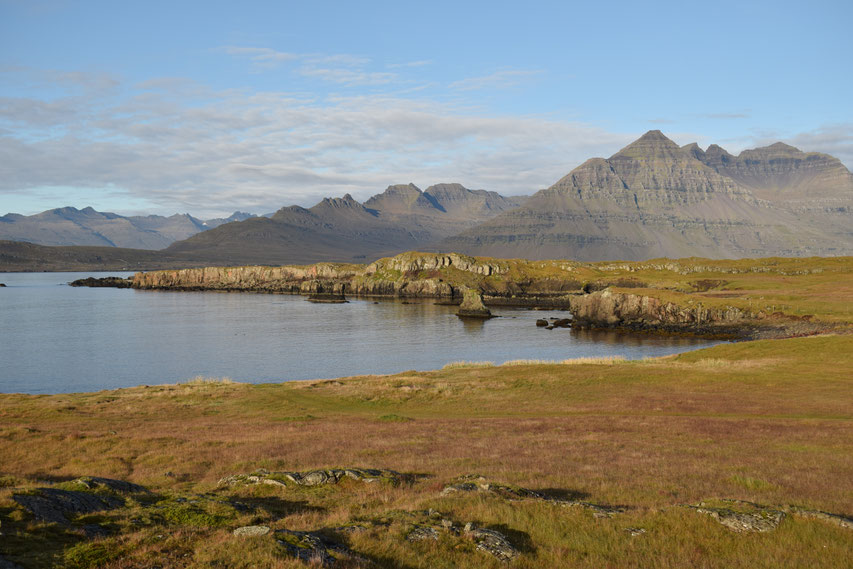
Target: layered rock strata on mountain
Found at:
656, 199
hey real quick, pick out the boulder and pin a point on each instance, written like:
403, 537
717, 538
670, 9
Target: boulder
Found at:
492, 542
251, 531
311, 547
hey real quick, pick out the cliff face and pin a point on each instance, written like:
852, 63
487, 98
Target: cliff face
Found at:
607, 309
655, 199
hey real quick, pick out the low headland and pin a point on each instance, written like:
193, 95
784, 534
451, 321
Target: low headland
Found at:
747, 298
736, 455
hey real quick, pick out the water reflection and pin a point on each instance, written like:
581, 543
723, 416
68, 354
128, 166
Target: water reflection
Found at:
79, 339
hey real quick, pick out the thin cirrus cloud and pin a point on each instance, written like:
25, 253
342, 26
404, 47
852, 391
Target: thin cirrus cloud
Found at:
496, 80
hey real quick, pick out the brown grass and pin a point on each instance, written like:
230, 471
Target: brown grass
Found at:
769, 421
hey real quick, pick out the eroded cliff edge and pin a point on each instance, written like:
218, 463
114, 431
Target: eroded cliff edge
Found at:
773, 297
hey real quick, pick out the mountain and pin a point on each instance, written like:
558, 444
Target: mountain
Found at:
656, 199
399, 219
236, 216
87, 227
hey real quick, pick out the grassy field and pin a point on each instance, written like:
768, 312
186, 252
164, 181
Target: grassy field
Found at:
764, 422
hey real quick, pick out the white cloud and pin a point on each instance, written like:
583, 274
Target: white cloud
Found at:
834, 139
261, 57
497, 80
259, 151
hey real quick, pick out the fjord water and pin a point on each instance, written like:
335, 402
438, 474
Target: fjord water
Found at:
61, 339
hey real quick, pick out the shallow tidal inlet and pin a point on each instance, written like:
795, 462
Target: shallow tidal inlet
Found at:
59, 339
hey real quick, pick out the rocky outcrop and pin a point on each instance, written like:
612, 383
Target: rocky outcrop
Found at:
749, 518
316, 477
108, 282
409, 263
472, 305
315, 548
608, 309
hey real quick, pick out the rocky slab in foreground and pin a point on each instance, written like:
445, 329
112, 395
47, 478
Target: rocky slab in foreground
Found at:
317, 477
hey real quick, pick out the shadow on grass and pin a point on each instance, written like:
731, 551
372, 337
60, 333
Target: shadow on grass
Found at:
273, 506
563, 493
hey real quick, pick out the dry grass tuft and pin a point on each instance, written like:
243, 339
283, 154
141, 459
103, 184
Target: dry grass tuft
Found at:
466, 365
606, 361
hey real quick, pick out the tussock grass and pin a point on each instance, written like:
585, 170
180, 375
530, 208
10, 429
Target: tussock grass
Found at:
607, 360
202, 380
466, 365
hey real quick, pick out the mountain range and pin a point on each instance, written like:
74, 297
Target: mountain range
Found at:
651, 199
656, 199
399, 219
72, 226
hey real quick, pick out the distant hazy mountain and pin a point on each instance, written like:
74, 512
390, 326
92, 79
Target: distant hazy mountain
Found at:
342, 229
70, 226
654, 199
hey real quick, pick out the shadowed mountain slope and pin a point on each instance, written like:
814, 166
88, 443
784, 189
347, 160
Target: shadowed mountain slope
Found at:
656, 199
401, 218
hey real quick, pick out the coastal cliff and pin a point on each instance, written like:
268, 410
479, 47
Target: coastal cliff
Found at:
608, 309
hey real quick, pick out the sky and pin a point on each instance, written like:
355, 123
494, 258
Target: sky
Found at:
209, 107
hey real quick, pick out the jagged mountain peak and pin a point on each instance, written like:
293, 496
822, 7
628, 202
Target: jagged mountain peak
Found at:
694, 150
345, 202
402, 198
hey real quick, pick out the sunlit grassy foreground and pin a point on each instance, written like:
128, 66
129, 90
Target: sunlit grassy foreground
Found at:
770, 422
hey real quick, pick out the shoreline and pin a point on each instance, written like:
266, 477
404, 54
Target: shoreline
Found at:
735, 299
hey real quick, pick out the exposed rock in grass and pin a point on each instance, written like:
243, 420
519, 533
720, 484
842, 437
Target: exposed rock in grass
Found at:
54, 505
316, 477
837, 519
635, 531
753, 518
250, 531
598, 510
311, 547
475, 483
492, 542
423, 533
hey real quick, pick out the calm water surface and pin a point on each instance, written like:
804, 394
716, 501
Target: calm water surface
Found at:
58, 339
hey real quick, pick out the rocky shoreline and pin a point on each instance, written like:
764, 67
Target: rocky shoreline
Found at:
622, 301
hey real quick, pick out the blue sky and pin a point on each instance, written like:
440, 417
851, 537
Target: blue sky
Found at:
208, 107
